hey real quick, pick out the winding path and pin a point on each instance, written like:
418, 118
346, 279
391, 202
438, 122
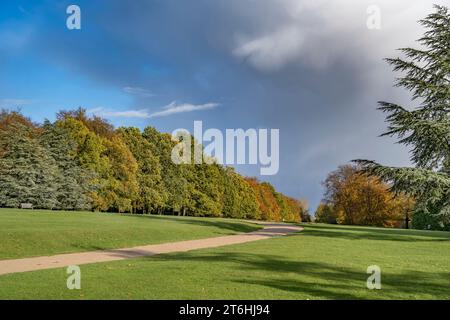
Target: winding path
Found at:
270, 230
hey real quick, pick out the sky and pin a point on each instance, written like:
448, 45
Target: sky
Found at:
311, 68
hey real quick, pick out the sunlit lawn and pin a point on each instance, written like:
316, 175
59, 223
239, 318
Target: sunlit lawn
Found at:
322, 262
35, 233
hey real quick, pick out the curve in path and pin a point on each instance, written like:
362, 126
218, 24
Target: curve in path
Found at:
270, 230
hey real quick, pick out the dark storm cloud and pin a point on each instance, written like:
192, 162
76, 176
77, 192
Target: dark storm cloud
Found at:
311, 68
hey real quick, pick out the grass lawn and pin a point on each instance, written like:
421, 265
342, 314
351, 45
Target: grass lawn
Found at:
322, 262
37, 233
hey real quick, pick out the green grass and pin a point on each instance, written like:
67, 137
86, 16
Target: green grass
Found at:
35, 233
322, 262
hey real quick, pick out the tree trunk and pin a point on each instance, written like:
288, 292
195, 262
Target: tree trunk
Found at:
407, 220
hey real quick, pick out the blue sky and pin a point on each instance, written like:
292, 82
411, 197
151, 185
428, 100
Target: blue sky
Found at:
309, 68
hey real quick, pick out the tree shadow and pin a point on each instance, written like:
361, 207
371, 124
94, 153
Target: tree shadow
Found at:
320, 280
226, 227
364, 233
234, 227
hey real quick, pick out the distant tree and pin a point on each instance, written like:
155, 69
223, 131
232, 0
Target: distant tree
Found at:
426, 73
176, 178
12, 118
239, 200
291, 209
425, 221
95, 124
296, 209
208, 192
28, 173
275, 206
247, 201
72, 181
358, 199
306, 216
151, 188
90, 154
122, 188
282, 204
103, 151
265, 195
325, 213
89, 146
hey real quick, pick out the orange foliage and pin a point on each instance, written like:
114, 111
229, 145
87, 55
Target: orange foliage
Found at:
275, 206
358, 199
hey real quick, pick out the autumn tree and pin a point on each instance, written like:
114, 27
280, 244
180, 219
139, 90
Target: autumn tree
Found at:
275, 206
239, 200
208, 192
121, 189
103, 151
14, 118
152, 195
90, 154
296, 209
176, 178
268, 204
357, 199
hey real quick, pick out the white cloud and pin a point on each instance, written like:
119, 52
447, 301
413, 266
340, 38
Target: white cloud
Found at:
272, 51
317, 33
102, 112
171, 109
174, 108
138, 91
14, 103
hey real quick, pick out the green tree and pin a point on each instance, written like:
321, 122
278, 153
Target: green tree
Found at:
326, 214
152, 195
176, 178
121, 189
101, 149
239, 200
90, 154
426, 73
28, 173
208, 192
424, 221
72, 181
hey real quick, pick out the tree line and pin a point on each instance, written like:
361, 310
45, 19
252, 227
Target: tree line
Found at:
81, 162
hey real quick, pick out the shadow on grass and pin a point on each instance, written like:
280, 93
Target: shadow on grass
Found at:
319, 280
361, 233
233, 227
227, 228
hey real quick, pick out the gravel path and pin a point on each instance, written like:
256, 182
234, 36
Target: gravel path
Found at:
270, 230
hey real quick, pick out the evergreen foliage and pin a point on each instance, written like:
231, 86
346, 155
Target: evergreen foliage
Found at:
425, 72
72, 181
28, 173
